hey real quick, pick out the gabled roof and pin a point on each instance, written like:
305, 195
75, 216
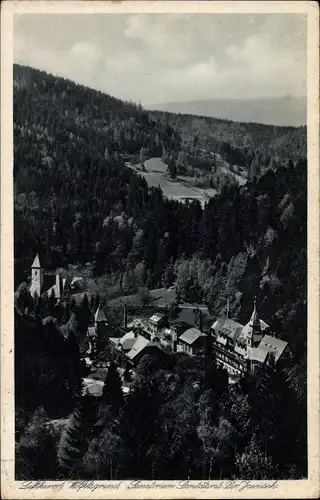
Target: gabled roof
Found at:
180, 324
273, 345
36, 262
228, 327
191, 335
128, 341
140, 344
248, 330
258, 354
57, 288
99, 315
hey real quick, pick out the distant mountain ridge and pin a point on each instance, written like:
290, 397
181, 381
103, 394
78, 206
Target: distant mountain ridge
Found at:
280, 111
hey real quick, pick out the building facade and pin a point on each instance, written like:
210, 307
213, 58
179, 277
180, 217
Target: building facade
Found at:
241, 348
40, 282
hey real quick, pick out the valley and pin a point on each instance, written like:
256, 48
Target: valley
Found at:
129, 295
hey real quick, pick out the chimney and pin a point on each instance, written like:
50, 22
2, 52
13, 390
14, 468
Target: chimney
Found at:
195, 314
58, 286
200, 323
125, 316
228, 308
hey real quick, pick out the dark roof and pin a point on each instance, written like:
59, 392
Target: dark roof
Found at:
187, 316
180, 324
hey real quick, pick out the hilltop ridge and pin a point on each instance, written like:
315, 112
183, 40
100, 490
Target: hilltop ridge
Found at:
285, 111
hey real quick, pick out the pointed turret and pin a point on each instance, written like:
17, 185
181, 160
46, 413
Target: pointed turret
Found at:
36, 277
253, 327
36, 263
255, 320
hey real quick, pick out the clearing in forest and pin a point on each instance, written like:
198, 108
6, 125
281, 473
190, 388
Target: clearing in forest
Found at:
179, 189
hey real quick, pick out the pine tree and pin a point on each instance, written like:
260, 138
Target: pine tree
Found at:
92, 303
36, 451
75, 370
172, 168
139, 427
74, 439
254, 464
73, 305
84, 314
52, 303
112, 389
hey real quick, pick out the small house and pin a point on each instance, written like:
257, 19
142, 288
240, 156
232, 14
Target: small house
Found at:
154, 326
192, 341
141, 347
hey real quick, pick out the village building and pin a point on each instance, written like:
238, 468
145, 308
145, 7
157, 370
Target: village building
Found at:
192, 341
40, 282
154, 326
142, 347
241, 348
130, 348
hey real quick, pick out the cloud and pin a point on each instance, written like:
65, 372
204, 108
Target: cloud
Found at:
85, 51
156, 58
262, 63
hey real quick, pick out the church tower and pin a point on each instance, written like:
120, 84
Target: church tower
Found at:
36, 277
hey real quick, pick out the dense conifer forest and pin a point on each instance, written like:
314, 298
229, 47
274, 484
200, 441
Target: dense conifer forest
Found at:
77, 204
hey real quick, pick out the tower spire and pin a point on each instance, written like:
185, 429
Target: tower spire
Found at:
36, 263
255, 320
36, 277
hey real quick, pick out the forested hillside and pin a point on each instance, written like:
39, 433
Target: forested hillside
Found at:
77, 203
253, 146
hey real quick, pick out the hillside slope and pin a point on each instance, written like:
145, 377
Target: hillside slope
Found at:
281, 111
83, 210
78, 203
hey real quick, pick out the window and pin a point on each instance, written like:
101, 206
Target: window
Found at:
35, 273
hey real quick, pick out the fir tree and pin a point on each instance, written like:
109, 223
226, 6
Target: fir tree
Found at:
75, 438
112, 389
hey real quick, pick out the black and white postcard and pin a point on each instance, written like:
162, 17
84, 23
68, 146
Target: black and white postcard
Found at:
159, 250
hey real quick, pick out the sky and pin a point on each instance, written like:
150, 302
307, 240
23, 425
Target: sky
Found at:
157, 58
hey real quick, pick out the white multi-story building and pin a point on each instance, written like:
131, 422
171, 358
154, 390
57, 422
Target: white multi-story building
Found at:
240, 348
